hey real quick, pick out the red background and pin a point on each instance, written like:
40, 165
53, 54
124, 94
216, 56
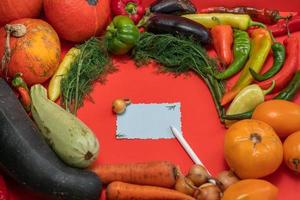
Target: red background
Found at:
200, 123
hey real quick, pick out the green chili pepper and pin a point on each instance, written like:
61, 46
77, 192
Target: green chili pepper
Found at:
279, 58
286, 94
121, 35
241, 49
261, 43
291, 90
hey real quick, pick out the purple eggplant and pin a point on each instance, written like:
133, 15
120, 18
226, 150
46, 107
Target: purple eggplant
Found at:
177, 7
176, 25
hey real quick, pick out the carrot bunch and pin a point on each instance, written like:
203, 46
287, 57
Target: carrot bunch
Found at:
140, 181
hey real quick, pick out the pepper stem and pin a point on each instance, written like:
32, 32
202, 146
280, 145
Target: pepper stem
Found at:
270, 89
253, 23
216, 19
131, 8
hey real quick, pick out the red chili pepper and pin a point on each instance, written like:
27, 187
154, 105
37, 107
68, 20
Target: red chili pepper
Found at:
261, 15
222, 36
289, 68
23, 91
3, 189
283, 26
132, 8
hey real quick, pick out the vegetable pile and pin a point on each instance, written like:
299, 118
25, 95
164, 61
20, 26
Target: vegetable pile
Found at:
45, 147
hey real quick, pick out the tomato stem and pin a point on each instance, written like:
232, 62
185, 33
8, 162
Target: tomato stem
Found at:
296, 163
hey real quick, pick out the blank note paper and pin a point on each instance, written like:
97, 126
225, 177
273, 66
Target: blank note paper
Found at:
149, 121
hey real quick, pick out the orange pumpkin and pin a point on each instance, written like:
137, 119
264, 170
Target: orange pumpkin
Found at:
15, 9
252, 149
78, 20
251, 189
36, 54
291, 151
282, 115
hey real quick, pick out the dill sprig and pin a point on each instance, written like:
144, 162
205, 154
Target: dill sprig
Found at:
180, 54
92, 64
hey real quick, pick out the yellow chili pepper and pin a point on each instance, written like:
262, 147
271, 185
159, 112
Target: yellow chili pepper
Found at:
209, 20
64, 67
260, 47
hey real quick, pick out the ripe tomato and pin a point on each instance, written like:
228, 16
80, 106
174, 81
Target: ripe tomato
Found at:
251, 189
283, 116
252, 149
291, 151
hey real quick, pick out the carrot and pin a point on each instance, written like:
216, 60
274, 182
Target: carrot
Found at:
126, 191
156, 173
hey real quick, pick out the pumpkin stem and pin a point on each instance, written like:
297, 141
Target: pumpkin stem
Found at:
16, 30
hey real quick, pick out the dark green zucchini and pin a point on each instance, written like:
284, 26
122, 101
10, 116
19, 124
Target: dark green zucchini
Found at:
26, 157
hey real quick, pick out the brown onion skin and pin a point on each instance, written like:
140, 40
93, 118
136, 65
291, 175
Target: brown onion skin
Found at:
227, 178
208, 191
198, 175
185, 186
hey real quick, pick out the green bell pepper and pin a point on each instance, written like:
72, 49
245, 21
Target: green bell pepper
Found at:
121, 35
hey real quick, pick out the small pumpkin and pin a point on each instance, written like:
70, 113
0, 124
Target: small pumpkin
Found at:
251, 189
15, 9
78, 20
35, 53
252, 149
291, 151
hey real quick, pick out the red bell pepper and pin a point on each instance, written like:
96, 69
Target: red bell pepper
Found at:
289, 68
3, 189
285, 26
132, 8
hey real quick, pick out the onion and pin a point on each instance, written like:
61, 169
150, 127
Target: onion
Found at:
198, 175
119, 105
185, 186
227, 178
208, 191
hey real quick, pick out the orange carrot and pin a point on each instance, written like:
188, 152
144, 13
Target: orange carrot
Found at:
156, 173
126, 191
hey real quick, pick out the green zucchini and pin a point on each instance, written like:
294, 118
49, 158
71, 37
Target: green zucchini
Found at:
26, 157
69, 137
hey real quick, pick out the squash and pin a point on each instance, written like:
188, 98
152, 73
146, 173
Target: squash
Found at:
69, 137
15, 9
78, 20
36, 54
26, 157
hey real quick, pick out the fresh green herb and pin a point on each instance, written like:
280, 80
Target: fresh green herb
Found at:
90, 65
179, 54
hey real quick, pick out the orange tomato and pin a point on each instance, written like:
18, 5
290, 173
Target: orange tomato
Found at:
282, 115
251, 189
291, 151
252, 149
